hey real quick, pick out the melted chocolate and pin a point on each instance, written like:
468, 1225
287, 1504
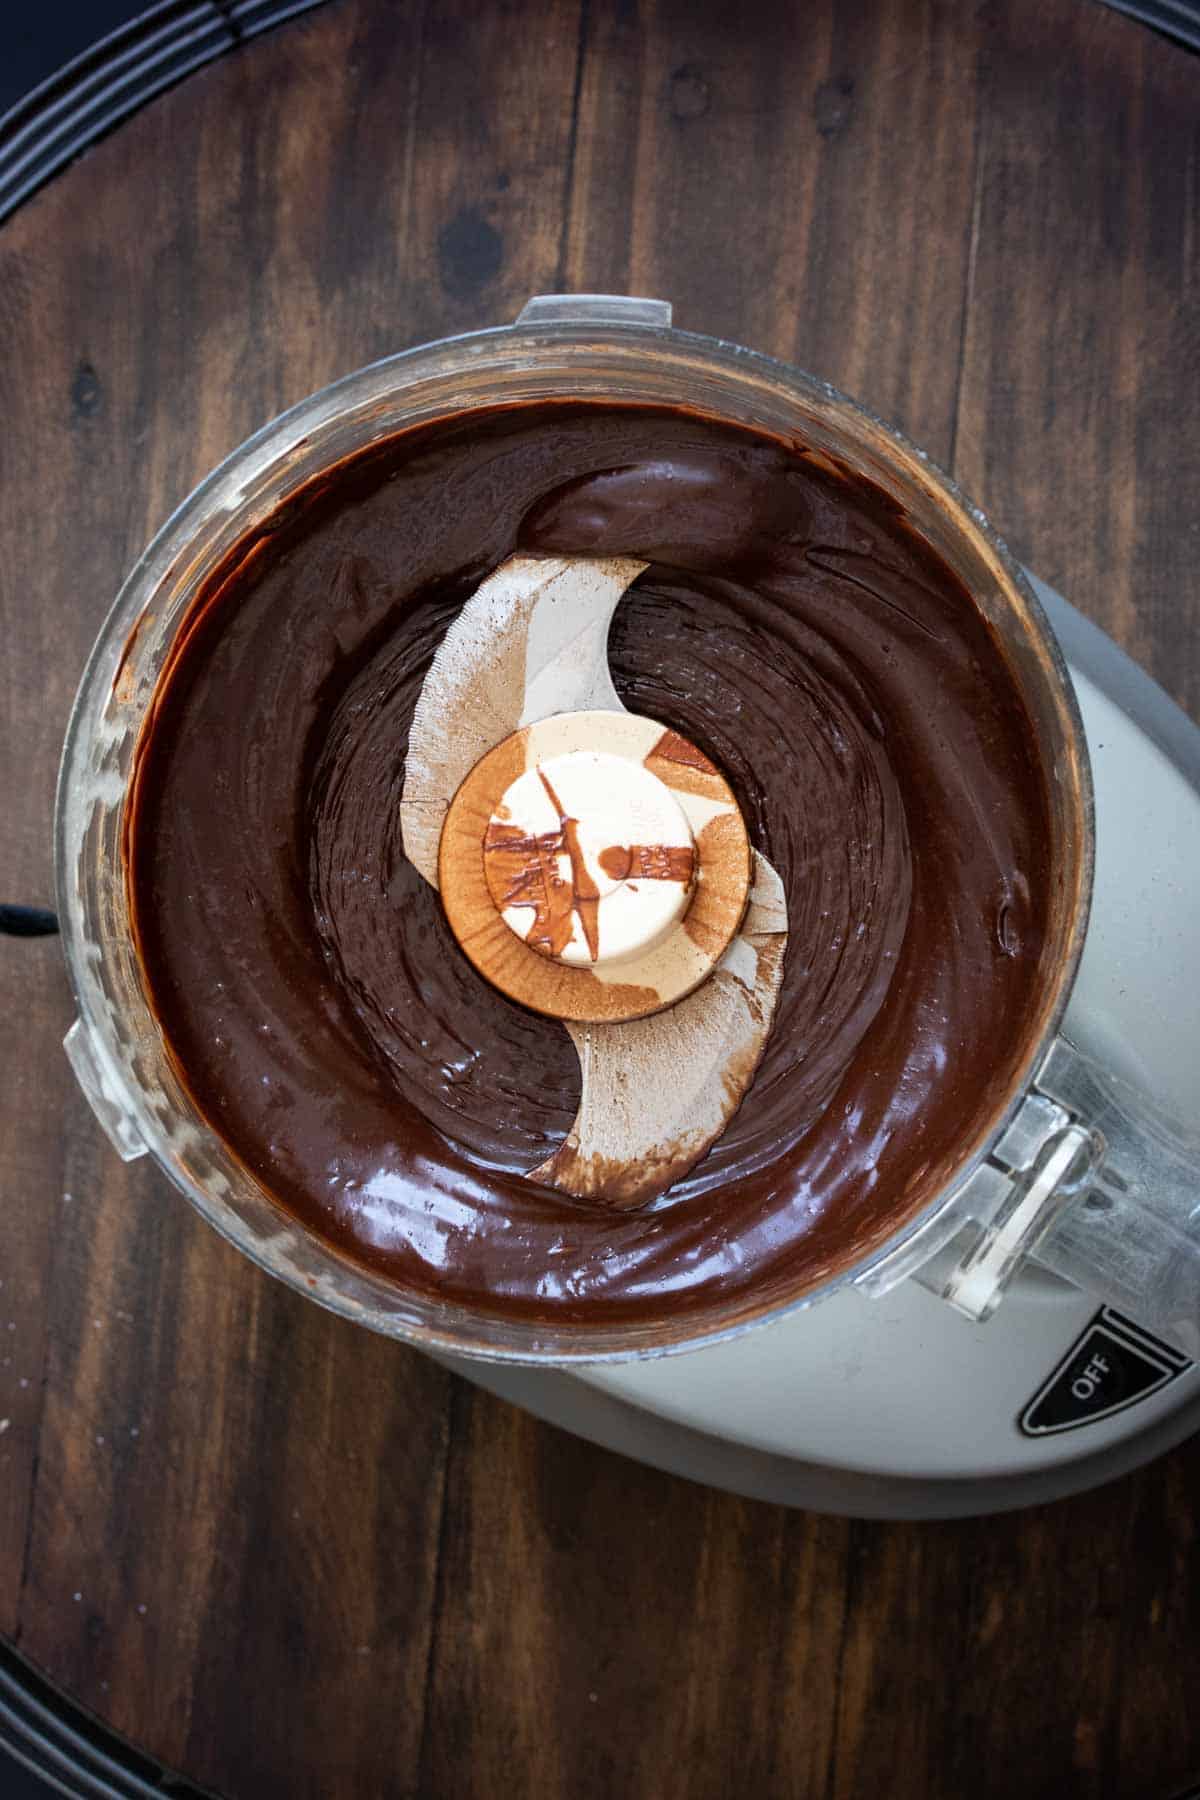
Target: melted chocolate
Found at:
794, 627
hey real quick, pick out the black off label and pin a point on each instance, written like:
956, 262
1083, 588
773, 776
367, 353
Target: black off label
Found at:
1113, 1364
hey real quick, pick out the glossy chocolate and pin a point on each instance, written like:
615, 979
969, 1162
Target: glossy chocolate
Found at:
794, 628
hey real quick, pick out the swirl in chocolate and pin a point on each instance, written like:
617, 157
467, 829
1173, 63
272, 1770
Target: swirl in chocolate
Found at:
792, 626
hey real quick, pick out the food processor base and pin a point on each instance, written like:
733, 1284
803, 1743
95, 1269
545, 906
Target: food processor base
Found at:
899, 1407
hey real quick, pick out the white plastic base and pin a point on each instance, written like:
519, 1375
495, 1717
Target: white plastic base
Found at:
899, 1407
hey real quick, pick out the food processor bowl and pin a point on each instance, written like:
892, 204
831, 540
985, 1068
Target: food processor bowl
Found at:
579, 346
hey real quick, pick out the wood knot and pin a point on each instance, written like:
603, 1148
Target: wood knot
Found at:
470, 253
833, 105
87, 393
689, 94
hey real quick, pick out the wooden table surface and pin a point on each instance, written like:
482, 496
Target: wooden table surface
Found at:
291, 1559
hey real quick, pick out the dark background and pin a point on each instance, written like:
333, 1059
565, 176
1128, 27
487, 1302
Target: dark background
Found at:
36, 40
974, 217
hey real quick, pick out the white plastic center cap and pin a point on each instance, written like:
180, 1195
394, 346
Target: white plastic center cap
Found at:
589, 858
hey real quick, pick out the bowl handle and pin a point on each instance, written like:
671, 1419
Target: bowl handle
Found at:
1092, 1181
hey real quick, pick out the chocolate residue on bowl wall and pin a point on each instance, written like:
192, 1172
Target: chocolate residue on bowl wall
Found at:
793, 627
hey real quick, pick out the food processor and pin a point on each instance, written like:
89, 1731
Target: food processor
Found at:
897, 1407
1072, 1215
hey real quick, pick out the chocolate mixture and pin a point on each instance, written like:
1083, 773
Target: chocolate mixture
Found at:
792, 626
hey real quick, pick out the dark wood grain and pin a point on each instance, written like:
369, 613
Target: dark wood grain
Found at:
805, 171
1083, 334
298, 1561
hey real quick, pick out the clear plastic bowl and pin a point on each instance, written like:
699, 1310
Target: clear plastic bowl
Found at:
578, 346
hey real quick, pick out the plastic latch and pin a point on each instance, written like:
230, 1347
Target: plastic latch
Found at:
104, 1093
969, 1250
1051, 1177
595, 309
